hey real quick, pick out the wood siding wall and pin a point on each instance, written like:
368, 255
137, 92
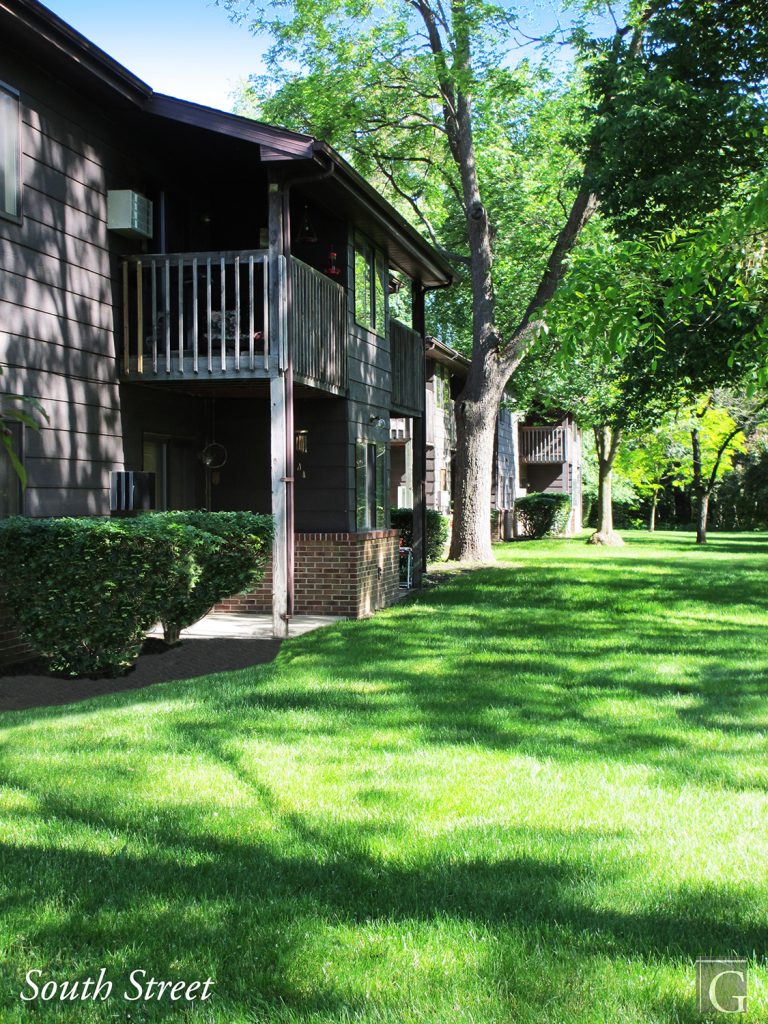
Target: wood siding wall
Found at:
56, 301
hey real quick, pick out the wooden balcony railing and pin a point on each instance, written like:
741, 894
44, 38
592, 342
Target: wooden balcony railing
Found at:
407, 354
543, 444
318, 325
196, 314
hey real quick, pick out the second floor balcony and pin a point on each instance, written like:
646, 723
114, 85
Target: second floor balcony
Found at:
207, 316
543, 445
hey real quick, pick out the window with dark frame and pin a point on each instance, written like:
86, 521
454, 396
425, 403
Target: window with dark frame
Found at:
371, 485
10, 153
371, 273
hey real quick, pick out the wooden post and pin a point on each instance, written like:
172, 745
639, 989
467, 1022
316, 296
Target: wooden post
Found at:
418, 455
278, 414
419, 449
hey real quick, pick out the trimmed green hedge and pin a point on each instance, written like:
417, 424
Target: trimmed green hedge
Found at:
437, 530
83, 592
541, 515
231, 552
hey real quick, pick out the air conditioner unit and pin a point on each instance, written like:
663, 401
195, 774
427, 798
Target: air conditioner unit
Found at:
129, 213
131, 492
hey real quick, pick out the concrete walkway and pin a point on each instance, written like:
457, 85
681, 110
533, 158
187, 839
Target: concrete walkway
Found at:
242, 626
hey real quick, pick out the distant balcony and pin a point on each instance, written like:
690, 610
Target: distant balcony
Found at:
205, 316
400, 429
543, 445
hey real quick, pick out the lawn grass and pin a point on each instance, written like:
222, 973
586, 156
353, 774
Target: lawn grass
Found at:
536, 793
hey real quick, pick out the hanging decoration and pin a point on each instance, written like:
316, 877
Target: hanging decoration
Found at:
307, 234
332, 270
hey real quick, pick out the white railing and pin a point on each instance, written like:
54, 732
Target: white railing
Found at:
544, 444
195, 314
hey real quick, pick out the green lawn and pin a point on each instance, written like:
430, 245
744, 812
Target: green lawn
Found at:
536, 793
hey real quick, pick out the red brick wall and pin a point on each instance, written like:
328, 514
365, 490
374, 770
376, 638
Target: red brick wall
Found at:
349, 574
12, 649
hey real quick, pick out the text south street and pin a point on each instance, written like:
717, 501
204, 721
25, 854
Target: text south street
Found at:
140, 988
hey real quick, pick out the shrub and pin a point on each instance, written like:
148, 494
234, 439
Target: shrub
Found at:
230, 550
542, 515
83, 592
437, 530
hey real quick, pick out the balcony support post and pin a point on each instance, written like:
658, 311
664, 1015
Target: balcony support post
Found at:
419, 445
280, 410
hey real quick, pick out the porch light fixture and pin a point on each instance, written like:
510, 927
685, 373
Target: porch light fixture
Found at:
213, 456
302, 441
307, 234
332, 270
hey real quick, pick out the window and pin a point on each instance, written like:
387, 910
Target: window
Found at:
10, 485
370, 293
371, 485
400, 297
10, 154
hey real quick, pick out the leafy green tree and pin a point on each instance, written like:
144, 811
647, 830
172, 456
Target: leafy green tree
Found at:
718, 426
645, 324
407, 78
652, 459
740, 502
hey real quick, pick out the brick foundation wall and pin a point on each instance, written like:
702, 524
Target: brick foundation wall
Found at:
12, 648
348, 574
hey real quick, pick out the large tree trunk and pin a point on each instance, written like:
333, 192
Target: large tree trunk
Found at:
702, 511
494, 359
607, 444
475, 434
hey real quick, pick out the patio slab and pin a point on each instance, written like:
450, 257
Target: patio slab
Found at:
248, 626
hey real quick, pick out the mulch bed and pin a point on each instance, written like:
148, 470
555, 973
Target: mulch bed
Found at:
29, 685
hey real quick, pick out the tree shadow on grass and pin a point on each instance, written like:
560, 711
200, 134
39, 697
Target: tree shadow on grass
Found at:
235, 908
253, 913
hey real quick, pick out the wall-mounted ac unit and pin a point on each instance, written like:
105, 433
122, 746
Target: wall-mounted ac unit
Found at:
129, 213
131, 492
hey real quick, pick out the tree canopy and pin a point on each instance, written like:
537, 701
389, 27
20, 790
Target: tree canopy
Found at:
661, 116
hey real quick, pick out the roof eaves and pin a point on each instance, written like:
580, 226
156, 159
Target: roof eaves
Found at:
289, 145
441, 268
445, 354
